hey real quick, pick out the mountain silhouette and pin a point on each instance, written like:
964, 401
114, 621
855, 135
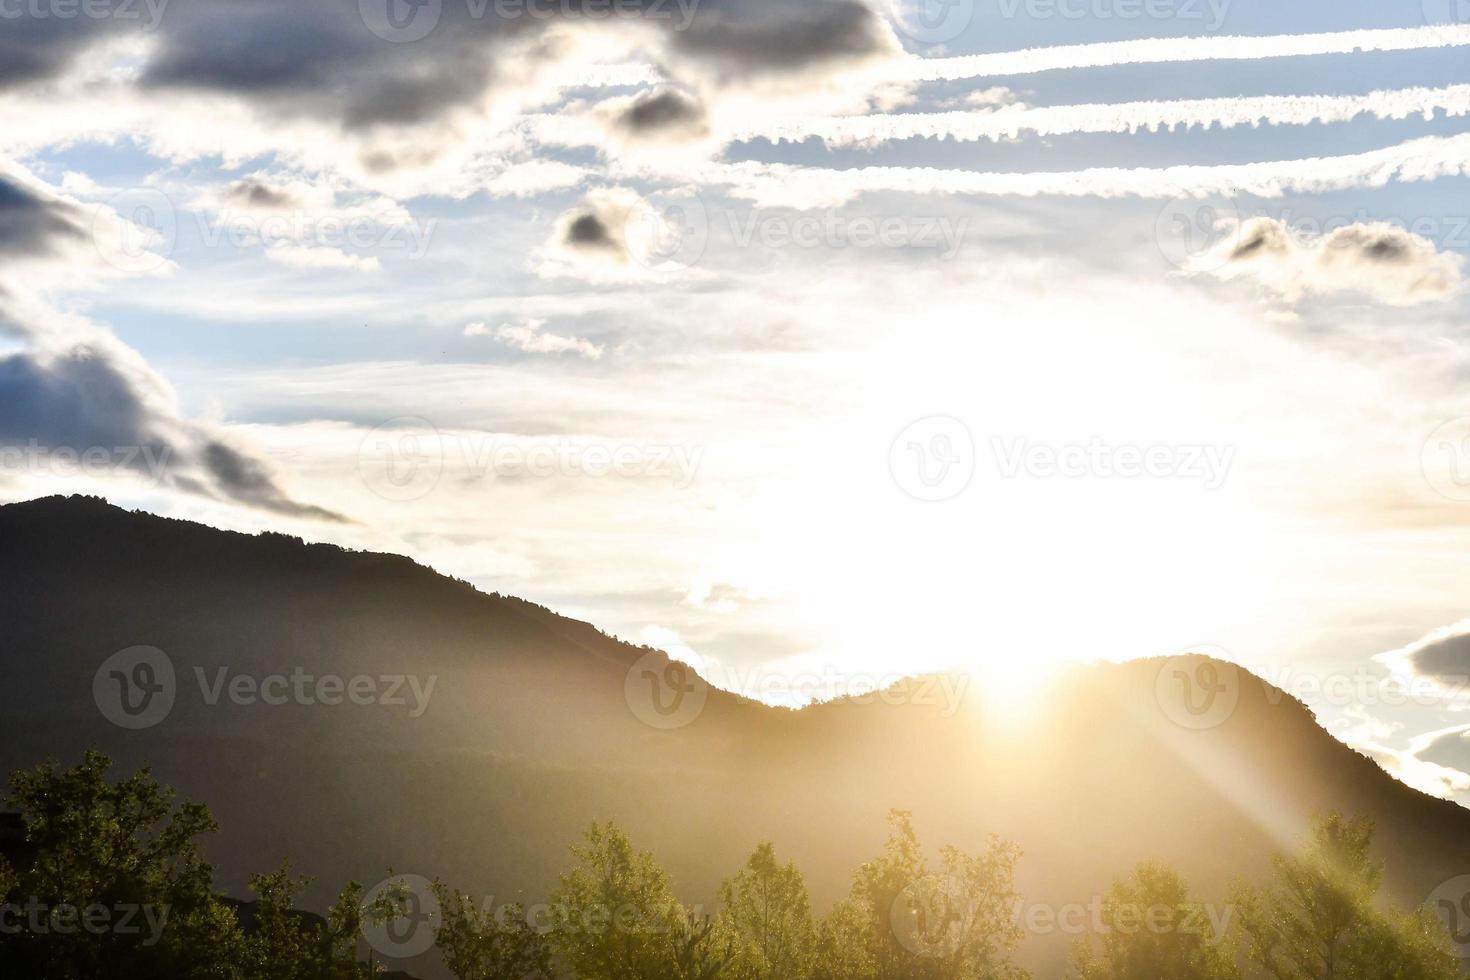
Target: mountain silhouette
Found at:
534, 724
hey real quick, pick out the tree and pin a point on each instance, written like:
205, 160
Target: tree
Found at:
955, 925
485, 944
766, 910
1151, 929
614, 914
1316, 919
115, 885
286, 944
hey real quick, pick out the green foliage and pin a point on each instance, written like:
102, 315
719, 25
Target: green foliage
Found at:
1152, 930
1316, 919
488, 944
614, 915
117, 886
289, 945
953, 925
766, 911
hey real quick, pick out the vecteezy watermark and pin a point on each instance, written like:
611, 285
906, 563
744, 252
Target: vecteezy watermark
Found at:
412, 931
1205, 463
933, 916
38, 918
933, 458
1209, 15
1197, 692
932, 21
139, 229
148, 13
1203, 234
664, 693
1449, 17
135, 688
1445, 459
72, 461
1451, 902
832, 229
138, 688
406, 21
1101, 916
667, 234
405, 458
1202, 688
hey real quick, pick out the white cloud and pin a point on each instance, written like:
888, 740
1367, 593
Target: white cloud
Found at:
1376, 259
529, 337
320, 257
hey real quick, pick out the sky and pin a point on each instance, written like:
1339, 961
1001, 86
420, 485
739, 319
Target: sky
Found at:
817, 342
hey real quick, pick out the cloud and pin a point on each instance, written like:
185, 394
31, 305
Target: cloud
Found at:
32, 226
1376, 259
323, 257
1441, 657
1000, 119
529, 337
75, 388
664, 113
254, 193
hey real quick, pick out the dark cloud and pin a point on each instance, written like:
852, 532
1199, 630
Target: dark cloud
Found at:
665, 112
82, 401
752, 38
322, 59
252, 193
589, 231
32, 226
1444, 657
33, 49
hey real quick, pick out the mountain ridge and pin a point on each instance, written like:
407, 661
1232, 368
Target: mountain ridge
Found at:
531, 733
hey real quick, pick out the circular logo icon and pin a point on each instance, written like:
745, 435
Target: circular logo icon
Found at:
135, 688
401, 21
933, 459
932, 916
1197, 691
933, 21
412, 932
137, 230
1194, 233
1445, 459
1449, 18
664, 693
402, 459
669, 234
1451, 902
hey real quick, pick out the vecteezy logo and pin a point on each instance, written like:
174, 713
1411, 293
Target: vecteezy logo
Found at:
402, 459
933, 459
1192, 232
1451, 902
1449, 18
410, 933
933, 21
1196, 691
137, 230
664, 693
135, 688
401, 21
932, 916
1445, 459
667, 235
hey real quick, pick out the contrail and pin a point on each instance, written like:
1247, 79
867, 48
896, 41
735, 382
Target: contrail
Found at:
1160, 50
784, 185
1127, 117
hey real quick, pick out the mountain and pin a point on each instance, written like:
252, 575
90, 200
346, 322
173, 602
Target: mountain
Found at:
536, 724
